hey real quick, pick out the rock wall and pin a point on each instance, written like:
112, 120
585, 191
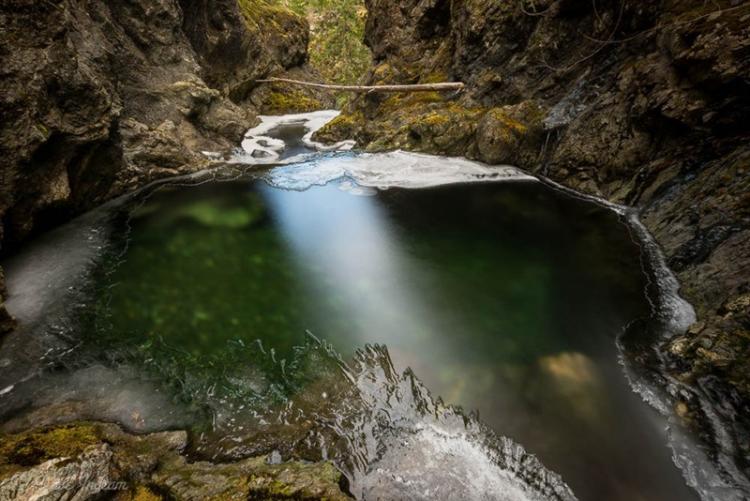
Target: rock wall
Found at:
98, 98
643, 103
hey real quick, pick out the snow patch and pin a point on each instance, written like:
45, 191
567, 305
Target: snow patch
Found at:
266, 149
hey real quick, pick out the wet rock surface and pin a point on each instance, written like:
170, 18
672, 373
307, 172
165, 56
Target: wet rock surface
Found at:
95, 460
644, 105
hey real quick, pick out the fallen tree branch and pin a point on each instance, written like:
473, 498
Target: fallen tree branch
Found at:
441, 86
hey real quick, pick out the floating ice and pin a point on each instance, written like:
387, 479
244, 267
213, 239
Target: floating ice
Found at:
266, 149
389, 170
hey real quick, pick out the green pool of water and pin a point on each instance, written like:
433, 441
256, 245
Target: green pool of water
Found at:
504, 298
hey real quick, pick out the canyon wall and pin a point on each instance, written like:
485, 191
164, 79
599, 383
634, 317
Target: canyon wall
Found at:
99, 98
643, 103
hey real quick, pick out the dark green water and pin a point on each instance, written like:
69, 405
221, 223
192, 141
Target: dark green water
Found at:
502, 297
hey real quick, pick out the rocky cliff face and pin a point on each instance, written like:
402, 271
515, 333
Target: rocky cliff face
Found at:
98, 98
643, 103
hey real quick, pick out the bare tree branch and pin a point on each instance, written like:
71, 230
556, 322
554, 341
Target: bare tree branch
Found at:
441, 86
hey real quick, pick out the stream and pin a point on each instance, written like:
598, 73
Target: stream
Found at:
411, 318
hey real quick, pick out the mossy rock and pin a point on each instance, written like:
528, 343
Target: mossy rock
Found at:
344, 126
445, 129
510, 134
140, 493
263, 14
251, 478
289, 101
419, 121
151, 467
435, 76
410, 102
382, 74
35, 447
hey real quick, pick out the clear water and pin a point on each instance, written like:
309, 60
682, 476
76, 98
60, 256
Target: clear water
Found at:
502, 298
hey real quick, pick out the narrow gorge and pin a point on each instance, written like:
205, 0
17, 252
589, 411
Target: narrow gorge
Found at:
218, 284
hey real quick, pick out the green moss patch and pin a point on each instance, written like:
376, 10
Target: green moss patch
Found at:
289, 101
261, 14
37, 446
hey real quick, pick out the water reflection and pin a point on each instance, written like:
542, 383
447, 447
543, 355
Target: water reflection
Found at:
432, 286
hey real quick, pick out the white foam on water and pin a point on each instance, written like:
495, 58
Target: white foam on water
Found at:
392, 440
390, 170
266, 149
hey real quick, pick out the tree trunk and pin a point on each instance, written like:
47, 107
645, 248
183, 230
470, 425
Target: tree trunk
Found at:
441, 86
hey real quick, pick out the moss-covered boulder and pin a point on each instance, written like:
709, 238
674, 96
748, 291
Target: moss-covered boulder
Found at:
431, 122
252, 478
421, 121
35, 447
96, 460
344, 126
510, 134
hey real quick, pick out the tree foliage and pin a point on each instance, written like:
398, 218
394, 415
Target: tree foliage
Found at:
336, 46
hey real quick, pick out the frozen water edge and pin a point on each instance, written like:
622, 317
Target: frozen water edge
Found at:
367, 170
262, 148
395, 169
711, 478
410, 170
